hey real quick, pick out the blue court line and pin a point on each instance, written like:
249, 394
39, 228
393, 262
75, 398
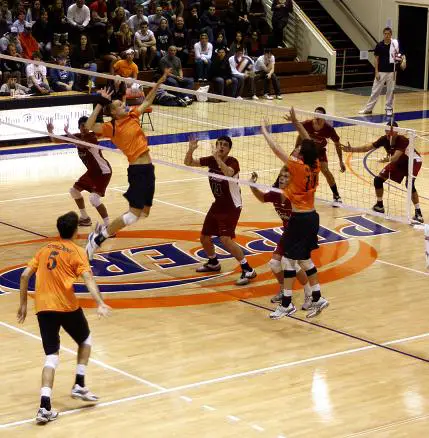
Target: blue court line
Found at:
212, 134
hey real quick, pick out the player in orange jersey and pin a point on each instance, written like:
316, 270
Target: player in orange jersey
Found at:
301, 234
127, 135
283, 208
57, 266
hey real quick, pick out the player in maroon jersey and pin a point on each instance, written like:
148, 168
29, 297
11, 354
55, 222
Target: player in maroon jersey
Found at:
396, 146
97, 177
222, 218
283, 208
320, 130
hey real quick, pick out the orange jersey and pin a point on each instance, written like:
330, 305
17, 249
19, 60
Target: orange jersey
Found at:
302, 185
127, 135
58, 265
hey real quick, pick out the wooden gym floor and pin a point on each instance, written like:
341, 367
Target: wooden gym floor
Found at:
202, 359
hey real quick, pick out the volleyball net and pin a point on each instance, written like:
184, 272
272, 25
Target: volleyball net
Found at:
212, 116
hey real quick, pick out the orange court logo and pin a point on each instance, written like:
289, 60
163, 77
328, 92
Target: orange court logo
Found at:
162, 273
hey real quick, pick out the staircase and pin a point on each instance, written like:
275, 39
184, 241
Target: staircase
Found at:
357, 73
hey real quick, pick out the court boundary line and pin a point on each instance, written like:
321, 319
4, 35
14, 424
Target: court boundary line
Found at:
222, 379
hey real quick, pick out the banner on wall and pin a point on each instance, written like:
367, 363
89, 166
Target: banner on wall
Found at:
36, 118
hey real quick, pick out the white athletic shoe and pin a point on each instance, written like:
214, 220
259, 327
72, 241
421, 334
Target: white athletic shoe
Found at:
277, 298
308, 302
83, 394
317, 307
245, 277
337, 202
365, 111
281, 311
44, 416
268, 97
91, 246
278, 97
255, 97
239, 98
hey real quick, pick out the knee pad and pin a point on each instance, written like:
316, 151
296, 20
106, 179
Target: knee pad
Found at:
88, 341
129, 218
378, 182
289, 267
74, 193
95, 199
308, 267
275, 265
52, 361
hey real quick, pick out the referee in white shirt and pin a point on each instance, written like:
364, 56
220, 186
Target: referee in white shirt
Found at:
386, 55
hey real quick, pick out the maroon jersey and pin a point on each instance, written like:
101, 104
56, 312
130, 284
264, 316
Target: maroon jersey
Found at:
92, 158
399, 143
227, 194
320, 137
283, 208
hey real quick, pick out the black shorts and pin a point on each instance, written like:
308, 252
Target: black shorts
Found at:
74, 323
300, 235
141, 180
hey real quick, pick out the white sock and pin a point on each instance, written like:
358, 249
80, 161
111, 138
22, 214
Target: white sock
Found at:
83, 213
80, 369
105, 233
244, 261
417, 206
287, 292
106, 221
45, 391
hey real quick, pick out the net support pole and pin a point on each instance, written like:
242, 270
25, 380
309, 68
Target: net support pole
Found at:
411, 146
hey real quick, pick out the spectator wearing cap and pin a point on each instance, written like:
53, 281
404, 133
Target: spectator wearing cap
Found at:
242, 69
78, 17
5, 13
61, 80
135, 21
264, 69
10, 38
36, 76
83, 57
12, 67
203, 55
181, 40
42, 31
20, 22
221, 74
28, 42
176, 78
126, 68
145, 45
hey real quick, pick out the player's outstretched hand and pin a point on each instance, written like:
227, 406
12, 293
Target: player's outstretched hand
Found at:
107, 94
264, 126
254, 177
22, 313
103, 310
50, 126
291, 117
193, 143
347, 148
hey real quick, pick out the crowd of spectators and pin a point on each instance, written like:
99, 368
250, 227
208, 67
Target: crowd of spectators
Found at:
123, 37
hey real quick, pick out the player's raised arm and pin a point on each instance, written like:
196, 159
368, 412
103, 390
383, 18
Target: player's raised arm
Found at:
102, 308
259, 194
226, 170
291, 117
189, 159
23, 291
278, 150
105, 99
364, 148
152, 93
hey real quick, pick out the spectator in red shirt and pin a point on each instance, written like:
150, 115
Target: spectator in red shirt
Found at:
28, 42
